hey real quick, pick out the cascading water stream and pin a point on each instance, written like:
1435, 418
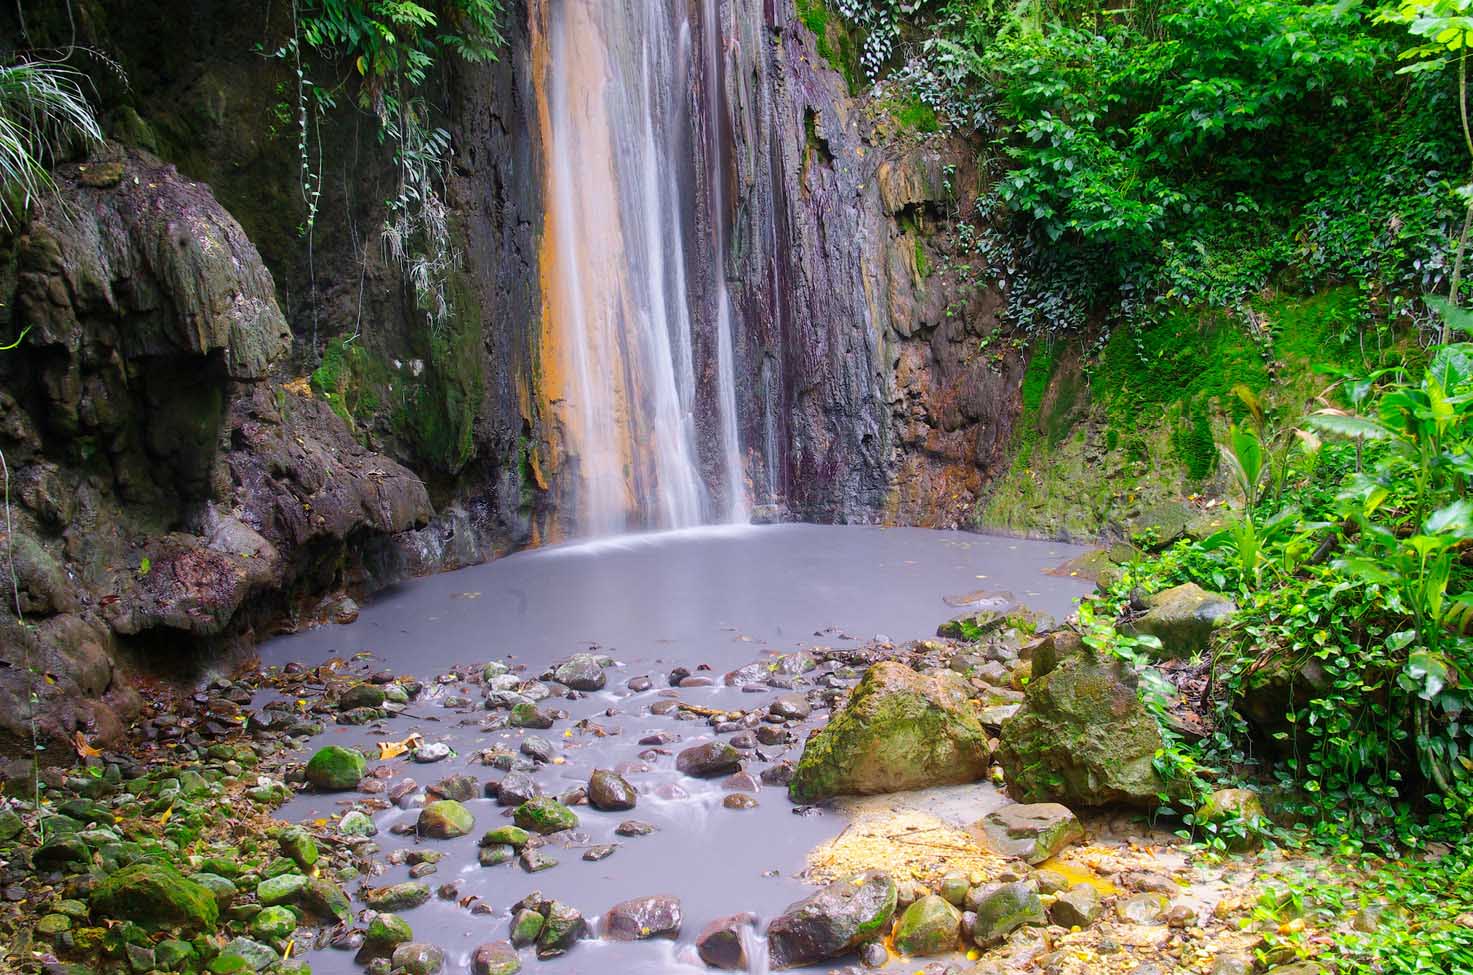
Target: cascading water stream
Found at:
614, 79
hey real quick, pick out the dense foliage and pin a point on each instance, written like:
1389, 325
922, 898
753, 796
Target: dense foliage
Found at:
383, 52
1194, 152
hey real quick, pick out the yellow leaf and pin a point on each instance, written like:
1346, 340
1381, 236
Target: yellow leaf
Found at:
393, 749
84, 750
165, 817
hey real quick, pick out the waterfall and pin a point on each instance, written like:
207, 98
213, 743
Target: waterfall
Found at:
614, 83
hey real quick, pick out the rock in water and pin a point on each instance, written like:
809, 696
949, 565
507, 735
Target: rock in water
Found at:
495, 958
445, 820
609, 792
415, 958
582, 673
1083, 737
335, 768
930, 926
723, 943
709, 760
835, 920
156, 895
1183, 618
560, 931
643, 918
900, 730
1030, 831
544, 815
1003, 908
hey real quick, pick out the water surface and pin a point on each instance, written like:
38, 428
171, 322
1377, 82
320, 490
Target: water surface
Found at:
721, 597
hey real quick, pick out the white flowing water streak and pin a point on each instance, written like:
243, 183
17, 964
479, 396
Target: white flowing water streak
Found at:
617, 79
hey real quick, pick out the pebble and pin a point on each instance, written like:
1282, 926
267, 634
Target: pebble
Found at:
435, 751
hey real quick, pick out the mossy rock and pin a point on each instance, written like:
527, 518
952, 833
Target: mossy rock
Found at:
387, 930
899, 730
445, 819
1083, 738
156, 895
1004, 908
930, 926
335, 768
545, 815
1184, 618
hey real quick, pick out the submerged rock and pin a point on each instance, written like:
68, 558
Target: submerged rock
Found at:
832, 922
709, 760
643, 918
582, 672
723, 943
609, 792
1030, 831
397, 897
495, 958
1083, 737
562, 927
899, 730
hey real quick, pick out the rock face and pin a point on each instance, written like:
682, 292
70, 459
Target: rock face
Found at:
1030, 831
1183, 618
899, 730
153, 333
1082, 737
832, 922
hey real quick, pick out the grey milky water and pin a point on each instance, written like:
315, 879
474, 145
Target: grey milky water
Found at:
722, 597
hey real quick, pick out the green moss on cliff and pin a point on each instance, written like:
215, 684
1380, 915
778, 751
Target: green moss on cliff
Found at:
835, 41
1159, 398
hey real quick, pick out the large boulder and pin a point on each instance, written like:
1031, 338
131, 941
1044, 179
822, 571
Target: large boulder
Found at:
1084, 738
899, 730
1031, 831
1183, 618
156, 895
832, 922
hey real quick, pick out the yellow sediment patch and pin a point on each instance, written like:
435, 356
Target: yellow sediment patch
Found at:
1077, 873
907, 846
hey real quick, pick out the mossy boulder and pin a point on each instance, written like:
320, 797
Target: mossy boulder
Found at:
930, 926
1183, 618
335, 768
155, 895
397, 897
445, 820
835, 920
899, 730
1083, 737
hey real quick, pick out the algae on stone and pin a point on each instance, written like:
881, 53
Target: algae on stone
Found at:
899, 730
